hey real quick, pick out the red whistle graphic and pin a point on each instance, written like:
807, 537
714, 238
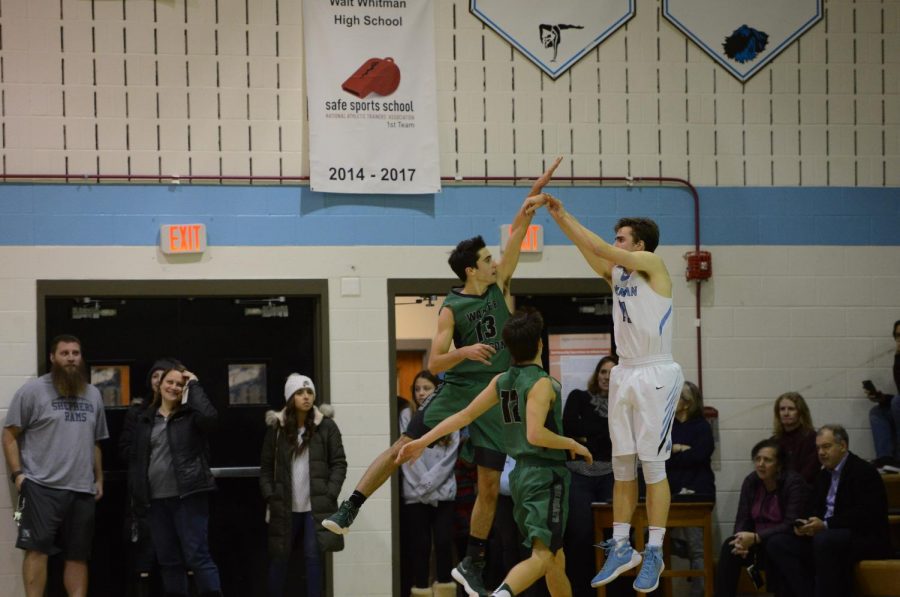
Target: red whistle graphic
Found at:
376, 75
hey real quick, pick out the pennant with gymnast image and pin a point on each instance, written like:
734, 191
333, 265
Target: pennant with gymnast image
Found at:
553, 35
372, 96
743, 36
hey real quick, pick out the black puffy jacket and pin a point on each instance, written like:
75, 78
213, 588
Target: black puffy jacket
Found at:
327, 469
187, 431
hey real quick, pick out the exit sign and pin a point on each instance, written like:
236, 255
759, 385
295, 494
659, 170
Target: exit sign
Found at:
533, 241
182, 239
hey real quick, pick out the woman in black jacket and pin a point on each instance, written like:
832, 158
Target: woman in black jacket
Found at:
141, 557
302, 469
772, 498
690, 475
169, 477
585, 418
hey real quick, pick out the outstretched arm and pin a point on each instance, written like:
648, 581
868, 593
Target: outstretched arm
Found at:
485, 400
600, 254
510, 259
540, 398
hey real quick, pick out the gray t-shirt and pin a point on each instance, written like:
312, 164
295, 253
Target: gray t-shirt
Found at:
161, 470
58, 434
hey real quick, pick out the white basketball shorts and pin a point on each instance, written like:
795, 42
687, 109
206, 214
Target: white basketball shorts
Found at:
643, 394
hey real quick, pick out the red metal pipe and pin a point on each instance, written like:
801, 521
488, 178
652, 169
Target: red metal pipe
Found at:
98, 178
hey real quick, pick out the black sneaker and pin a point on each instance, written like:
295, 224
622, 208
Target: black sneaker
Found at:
468, 573
340, 521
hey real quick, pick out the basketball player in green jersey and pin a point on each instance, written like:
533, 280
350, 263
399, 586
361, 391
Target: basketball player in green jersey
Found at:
468, 348
531, 406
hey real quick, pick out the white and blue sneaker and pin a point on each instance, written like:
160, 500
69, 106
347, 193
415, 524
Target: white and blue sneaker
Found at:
620, 557
648, 578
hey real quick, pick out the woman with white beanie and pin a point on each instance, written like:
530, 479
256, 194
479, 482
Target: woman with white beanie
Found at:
302, 469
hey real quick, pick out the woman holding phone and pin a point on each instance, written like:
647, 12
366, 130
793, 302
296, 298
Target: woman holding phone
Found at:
772, 498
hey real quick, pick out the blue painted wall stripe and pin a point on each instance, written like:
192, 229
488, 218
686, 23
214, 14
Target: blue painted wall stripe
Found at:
40, 214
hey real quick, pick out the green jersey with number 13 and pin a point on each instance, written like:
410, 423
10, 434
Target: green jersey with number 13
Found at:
479, 320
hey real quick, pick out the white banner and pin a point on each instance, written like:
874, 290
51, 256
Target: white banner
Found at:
370, 74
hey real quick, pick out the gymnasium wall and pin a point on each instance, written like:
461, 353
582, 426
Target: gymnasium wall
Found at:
797, 172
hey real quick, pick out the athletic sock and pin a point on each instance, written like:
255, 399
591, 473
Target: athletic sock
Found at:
476, 548
621, 531
656, 536
357, 499
503, 591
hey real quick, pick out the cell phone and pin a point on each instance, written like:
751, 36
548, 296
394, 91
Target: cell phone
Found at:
869, 386
755, 577
799, 522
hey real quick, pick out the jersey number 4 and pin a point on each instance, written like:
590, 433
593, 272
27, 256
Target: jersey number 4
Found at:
509, 404
486, 329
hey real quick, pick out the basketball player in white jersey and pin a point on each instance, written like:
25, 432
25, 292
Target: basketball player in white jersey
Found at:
644, 386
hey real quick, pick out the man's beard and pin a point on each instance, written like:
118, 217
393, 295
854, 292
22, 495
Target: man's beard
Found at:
69, 382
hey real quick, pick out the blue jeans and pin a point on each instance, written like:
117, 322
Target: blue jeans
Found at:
579, 539
301, 523
179, 528
885, 423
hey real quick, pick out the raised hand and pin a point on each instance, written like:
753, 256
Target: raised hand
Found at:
544, 178
554, 205
534, 202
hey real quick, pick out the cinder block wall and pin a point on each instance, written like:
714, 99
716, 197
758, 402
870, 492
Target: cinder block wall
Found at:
797, 171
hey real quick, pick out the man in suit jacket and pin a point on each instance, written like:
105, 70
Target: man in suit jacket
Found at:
846, 522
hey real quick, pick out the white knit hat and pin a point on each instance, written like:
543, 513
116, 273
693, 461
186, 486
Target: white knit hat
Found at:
295, 382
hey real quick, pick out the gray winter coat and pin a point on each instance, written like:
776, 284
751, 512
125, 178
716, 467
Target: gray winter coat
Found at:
327, 469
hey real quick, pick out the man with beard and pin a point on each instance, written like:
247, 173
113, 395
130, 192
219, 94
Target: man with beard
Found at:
50, 443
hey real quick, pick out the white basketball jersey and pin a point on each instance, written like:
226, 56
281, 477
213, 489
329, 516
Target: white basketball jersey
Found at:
642, 319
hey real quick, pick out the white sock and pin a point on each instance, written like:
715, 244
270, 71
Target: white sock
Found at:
502, 591
621, 530
656, 536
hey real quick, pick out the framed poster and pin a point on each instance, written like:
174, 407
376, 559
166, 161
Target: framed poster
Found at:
114, 383
574, 356
247, 383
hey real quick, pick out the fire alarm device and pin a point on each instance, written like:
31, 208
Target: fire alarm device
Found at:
699, 265
378, 75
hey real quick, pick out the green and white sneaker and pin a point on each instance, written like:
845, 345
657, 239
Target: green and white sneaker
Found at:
339, 522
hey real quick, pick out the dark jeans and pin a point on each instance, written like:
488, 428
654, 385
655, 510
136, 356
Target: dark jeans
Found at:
885, 423
825, 557
730, 568
179, 528
579, 541
427, 522
302, 523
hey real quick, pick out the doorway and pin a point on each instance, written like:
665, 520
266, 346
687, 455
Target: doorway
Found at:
567, 305
241, 338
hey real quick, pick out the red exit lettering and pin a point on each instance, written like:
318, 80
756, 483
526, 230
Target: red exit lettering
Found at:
183, 238
530, 243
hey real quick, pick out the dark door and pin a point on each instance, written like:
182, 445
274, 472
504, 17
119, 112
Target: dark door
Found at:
220, 338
